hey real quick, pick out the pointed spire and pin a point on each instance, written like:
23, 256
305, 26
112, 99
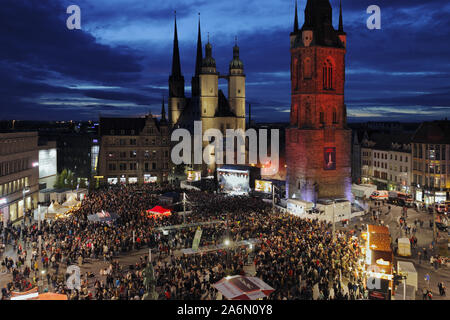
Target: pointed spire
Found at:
176, 65
236, 63
163, 111
208, 49
209, 61
341, 25
296, 18
198, 60
235, 49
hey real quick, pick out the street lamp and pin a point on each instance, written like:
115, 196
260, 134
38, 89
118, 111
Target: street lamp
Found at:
42, 280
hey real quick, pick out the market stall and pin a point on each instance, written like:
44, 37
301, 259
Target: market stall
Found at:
55, 210
243, 288
158, 212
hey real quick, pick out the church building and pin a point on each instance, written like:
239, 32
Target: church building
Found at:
208, 103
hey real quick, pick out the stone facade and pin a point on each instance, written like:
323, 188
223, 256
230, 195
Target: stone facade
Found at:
208, 103
431, 162
134, 150
19, 174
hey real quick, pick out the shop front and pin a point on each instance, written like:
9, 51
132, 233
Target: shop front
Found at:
440, 196
379, 260
432, 197
419, 195
132, 180
112, 180
14, 210
149, 178
4, 210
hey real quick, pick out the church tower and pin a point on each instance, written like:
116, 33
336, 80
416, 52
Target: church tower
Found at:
177, 100
318, 141
209, 85
209, 97
236, 87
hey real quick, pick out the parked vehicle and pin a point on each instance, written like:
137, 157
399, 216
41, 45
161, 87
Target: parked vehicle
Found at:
380, 195
400, 198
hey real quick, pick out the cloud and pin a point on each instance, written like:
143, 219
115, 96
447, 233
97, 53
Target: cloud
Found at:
120, 60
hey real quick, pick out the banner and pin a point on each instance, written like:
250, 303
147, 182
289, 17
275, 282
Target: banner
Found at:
197, 237
329, 156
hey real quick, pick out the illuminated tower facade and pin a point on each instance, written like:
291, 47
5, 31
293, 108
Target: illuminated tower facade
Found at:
318, 141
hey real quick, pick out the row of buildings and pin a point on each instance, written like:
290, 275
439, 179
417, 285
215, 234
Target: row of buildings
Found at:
412, 161
33, 154
137, 150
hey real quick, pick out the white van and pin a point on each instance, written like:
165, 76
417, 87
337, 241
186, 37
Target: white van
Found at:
380, 195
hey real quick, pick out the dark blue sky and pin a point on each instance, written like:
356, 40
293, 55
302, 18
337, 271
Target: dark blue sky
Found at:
119, 63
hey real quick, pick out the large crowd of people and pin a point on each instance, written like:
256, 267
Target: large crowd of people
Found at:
297, 257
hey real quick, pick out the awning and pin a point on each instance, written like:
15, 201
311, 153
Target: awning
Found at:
243, 288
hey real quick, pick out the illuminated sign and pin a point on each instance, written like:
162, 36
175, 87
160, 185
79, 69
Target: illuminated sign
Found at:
3, 201
35, 164
98, 177
47, 163
149, 179
112, 180
263, 186
329, 157
133, 180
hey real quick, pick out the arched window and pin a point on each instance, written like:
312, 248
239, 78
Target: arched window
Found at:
327, 75
307, 69
334, 116
321, 117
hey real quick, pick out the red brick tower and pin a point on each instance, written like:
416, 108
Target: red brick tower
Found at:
318, 142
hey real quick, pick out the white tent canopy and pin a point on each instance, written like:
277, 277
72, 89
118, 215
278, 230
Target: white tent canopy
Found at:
56, 208
71, 202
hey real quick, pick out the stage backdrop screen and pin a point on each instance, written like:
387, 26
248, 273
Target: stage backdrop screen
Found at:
233, 181
47, 163
263, 186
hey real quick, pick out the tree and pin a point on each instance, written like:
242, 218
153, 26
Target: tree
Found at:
66, 179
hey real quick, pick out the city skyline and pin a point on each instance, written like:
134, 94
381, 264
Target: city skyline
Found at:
119, 62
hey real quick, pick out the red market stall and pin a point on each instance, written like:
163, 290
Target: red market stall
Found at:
33, 294
243, 288
158, 212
